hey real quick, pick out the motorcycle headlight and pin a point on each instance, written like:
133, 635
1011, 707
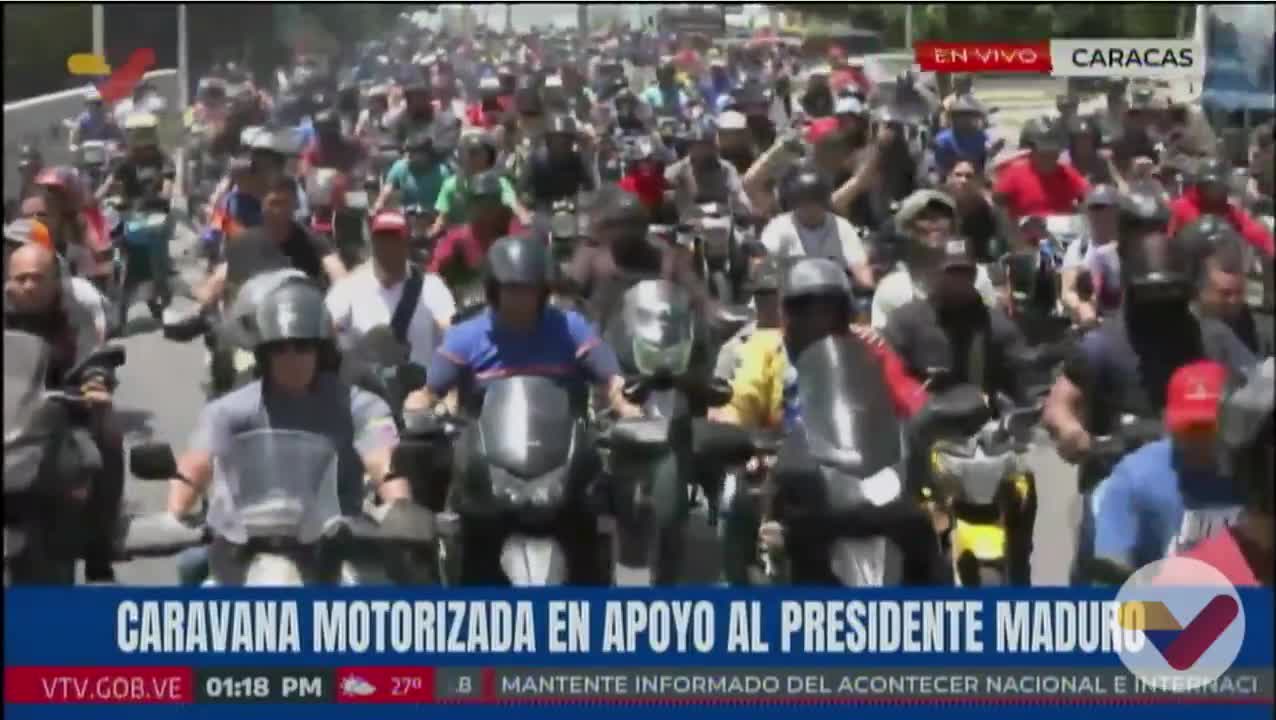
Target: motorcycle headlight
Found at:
653, 358
563, 225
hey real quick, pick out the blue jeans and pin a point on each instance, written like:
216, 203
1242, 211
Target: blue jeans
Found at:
192, 566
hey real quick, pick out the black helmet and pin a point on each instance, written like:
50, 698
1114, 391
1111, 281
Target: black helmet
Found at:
560, 124
475, 140
1142, 211
803, 186
1211, 170
487, 185
518, 261
326, 120
1042, 134
815, 277
293, 311
421, 140
1203, 235
622, 209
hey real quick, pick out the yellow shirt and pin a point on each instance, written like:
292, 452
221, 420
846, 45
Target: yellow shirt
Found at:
758, 384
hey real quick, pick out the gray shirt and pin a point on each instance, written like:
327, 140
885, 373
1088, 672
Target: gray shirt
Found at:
354, 420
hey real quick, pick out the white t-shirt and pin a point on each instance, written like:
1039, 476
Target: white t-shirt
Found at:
898, 289
359, 302
784, 237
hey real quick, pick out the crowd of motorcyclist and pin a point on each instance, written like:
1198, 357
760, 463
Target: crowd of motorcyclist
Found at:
885, 259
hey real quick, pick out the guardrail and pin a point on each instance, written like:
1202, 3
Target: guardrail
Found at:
38, 121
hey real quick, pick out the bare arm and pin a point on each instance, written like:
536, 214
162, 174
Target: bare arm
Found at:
333, 267
1062, 418
211, 291
377, 465
860, 182
196, 470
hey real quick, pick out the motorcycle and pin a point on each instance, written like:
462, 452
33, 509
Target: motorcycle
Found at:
714, 227
94, 160
338, 213
651, 461
529, 462
981, 494
564, 231
1034, 283
267, 527
50, 460
843, 513
145, 262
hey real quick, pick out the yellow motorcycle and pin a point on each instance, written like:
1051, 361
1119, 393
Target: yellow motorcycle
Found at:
981, 493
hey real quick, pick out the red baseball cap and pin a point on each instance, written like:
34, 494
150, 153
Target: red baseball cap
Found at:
389, 222
1193, 396
821, 128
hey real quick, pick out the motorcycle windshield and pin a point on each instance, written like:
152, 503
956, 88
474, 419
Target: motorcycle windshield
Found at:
846, 409
657, 329
279, 484
526, 425
26, 362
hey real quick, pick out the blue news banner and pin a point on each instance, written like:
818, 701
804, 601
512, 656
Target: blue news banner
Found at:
178, 653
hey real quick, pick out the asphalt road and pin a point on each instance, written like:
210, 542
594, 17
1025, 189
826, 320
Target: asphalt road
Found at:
160, 397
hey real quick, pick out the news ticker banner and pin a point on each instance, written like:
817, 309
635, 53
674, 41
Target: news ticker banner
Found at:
631, 627
412, 685
1100, 57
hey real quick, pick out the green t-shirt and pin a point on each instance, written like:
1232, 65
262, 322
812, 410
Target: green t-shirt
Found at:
417, 188
454, 198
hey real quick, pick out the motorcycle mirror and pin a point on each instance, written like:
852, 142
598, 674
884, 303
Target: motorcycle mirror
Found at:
153, 461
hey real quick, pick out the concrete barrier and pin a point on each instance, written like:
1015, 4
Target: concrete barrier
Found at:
38, 121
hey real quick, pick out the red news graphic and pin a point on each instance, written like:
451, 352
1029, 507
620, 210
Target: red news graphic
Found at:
382, 685
977, 57
56, 685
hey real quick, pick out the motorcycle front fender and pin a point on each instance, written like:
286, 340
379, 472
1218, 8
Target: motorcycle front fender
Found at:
273, 570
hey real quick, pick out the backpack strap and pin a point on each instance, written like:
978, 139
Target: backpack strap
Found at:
408, 302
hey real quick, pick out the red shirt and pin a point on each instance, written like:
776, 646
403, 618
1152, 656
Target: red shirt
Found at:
1221, 552
1030, 193
1187, 209
346, 158
649, 187
461, 241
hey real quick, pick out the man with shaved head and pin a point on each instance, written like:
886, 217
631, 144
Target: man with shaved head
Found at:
38, 300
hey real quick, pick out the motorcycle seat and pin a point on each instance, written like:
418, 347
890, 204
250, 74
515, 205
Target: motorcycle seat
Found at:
959, 408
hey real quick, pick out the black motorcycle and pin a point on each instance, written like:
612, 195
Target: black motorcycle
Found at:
652, 464
841, 499
524, 470
50, 459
